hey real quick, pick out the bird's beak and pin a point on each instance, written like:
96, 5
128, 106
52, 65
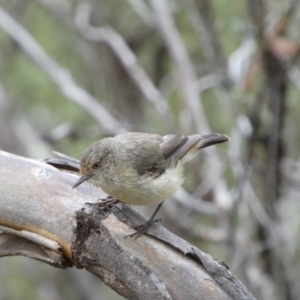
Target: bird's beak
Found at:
81, 180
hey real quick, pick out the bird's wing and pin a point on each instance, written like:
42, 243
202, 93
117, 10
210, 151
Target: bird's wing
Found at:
174, 147
148, 158
156, 153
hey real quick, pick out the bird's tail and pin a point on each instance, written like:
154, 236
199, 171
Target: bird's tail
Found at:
212, 139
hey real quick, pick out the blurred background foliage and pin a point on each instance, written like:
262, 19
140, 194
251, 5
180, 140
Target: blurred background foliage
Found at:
238, 59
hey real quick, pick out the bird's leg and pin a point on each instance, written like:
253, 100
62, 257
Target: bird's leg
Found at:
144, 228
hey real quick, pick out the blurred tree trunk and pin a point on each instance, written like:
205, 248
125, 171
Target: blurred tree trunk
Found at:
269, 136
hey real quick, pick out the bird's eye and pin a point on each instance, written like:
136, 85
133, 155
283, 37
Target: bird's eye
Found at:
96, 165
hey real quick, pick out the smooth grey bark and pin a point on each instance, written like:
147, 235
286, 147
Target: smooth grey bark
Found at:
43, 218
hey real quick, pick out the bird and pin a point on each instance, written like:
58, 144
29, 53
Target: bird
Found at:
142, 168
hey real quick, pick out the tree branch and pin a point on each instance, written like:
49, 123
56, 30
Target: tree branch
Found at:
38, 198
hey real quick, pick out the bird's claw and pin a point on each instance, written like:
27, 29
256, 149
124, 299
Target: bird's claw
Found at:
141, 229
108, 203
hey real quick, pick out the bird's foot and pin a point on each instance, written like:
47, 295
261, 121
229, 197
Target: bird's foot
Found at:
141, 229
108, 203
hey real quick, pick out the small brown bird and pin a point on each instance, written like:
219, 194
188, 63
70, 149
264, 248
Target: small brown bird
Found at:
142, 168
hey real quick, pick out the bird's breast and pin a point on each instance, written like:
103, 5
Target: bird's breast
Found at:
145, 189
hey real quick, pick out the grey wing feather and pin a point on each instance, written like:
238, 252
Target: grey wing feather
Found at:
175, 147
148, 159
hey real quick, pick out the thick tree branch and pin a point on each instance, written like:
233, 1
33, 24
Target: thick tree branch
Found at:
37, 200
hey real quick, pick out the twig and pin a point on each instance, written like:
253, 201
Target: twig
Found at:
192, 227
126, 56
195, 204
202, 22
143, 11
58, 75
180, 56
